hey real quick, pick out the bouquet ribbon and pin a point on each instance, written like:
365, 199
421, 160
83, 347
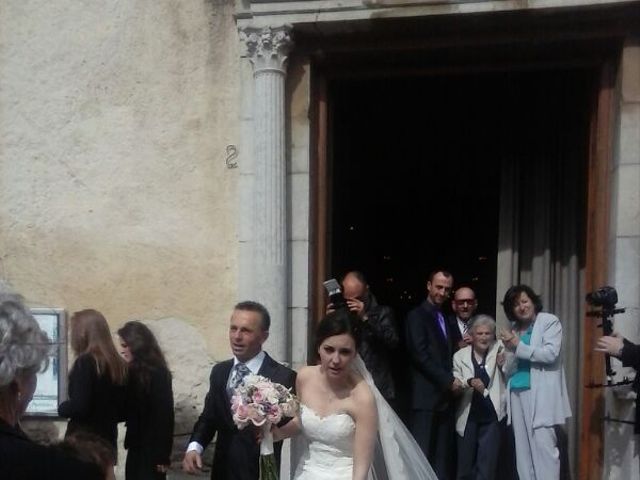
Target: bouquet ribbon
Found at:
266, 444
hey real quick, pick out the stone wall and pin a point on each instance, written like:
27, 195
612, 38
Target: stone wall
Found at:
114, 122
115, 192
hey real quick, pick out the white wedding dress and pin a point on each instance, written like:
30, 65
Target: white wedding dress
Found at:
329, 453
324, 450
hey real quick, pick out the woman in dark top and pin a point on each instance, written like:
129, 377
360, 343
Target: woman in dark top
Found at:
24, 349
97, 379
149, 407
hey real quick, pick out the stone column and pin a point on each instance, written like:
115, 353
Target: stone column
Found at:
267, 48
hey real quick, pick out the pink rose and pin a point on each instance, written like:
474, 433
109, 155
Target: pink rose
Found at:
274, 415
256, 415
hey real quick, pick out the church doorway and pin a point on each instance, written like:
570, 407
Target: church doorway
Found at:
487, 153
418, 167
496, 174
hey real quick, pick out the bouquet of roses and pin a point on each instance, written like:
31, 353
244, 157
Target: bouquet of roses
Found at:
261, 402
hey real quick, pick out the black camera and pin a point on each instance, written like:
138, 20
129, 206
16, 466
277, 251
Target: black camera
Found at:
335, 293
605, 297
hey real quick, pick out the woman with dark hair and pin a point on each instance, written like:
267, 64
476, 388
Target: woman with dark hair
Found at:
347, 424
24, 350
96, 380
149, 406
537, 399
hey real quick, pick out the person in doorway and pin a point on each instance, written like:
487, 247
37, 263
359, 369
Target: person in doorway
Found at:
464, 305
482, 405
537, 398
379, 334
429, 343
237, 451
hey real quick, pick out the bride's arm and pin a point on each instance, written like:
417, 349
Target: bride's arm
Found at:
366, 419
292, 428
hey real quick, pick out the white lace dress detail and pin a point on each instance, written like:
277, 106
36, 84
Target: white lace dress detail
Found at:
329, 454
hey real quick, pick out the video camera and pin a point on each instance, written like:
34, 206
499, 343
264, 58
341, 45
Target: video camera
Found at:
605, 297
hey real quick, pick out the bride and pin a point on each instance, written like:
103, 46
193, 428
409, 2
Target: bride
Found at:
345, 424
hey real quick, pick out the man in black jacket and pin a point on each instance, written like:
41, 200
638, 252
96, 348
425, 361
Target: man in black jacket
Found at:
429, 342
237, 451
379, 334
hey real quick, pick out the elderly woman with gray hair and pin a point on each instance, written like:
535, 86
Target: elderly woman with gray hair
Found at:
24, 351
482, 406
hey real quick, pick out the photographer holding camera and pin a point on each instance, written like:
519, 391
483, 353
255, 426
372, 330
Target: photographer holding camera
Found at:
379, 335
629, 353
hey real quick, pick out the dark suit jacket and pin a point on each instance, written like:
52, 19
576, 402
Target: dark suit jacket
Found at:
237, 451
95, 403
456, 336
22, 459
430, 355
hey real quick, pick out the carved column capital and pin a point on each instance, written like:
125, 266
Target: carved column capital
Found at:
267, 47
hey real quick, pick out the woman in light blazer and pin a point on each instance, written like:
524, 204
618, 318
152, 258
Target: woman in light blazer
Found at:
482, 405
537, 398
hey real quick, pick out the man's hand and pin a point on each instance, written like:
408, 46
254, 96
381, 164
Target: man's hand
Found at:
356, 306
192, 462
477, 385
330, 309
611, 345
466, 338
162, 468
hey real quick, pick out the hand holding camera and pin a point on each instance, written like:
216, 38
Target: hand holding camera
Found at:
611, 344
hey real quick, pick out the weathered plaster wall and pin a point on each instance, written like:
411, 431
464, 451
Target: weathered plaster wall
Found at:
114, 193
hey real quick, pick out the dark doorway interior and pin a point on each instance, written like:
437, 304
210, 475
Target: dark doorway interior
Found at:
416, 165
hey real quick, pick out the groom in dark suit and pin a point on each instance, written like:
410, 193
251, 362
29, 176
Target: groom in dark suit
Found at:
237, 451
429, 342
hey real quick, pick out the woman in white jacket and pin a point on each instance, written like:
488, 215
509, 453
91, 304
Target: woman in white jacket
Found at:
482, 405
537, 398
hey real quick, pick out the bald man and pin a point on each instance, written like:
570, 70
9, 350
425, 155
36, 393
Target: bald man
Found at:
464, 305
379, 332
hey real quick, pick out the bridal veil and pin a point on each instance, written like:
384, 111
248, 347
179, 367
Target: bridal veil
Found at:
397, 455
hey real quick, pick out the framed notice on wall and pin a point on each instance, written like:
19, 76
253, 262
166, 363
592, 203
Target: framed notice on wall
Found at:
52, 383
